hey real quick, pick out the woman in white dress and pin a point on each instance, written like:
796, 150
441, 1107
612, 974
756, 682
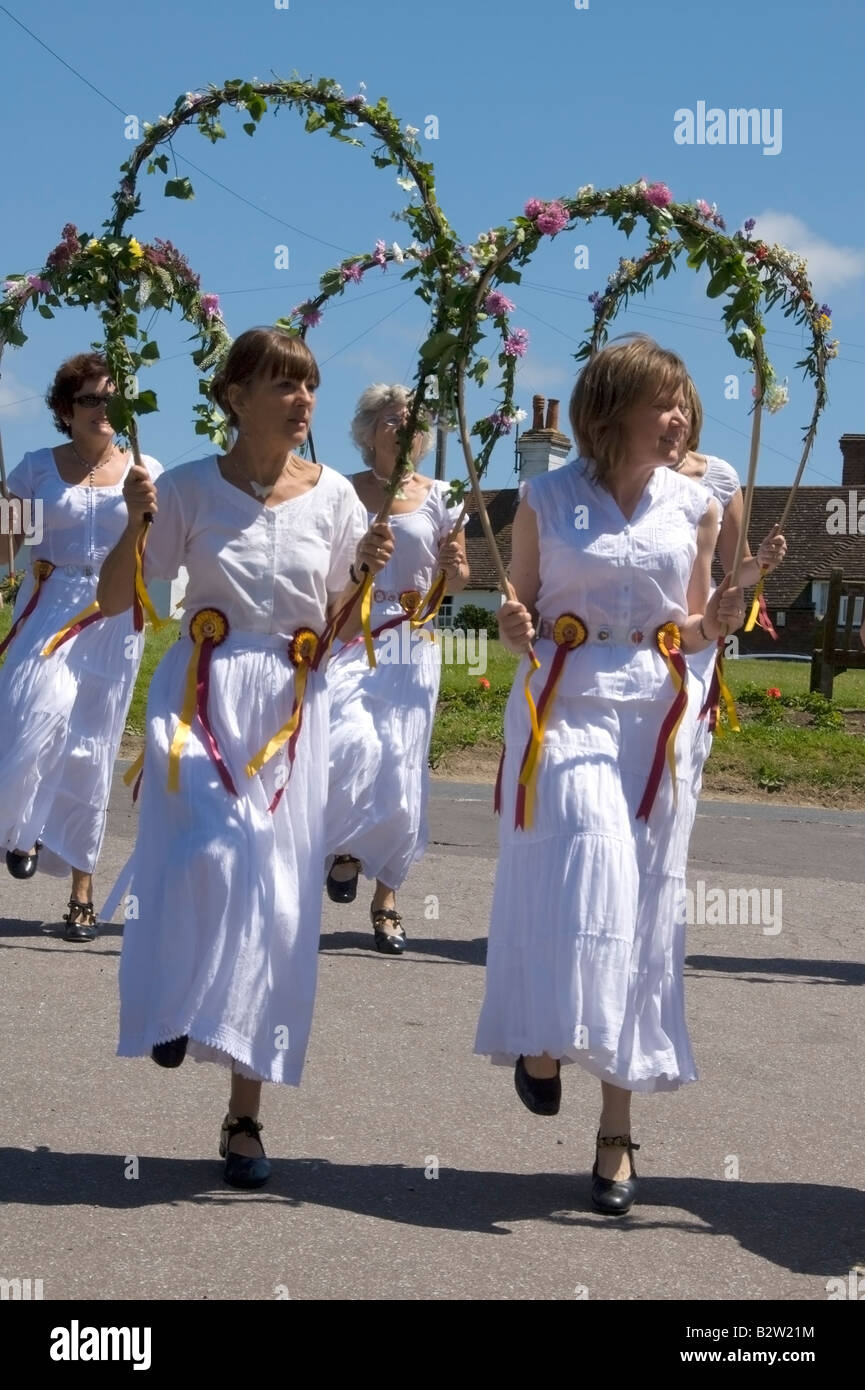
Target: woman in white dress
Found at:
220, 953
382, 716
64, 712
586, 950
722, 481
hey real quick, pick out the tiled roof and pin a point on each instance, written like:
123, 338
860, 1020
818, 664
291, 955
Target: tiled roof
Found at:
811, 552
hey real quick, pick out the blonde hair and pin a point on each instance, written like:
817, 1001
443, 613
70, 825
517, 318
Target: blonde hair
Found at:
375, 400
630, 370
694, 407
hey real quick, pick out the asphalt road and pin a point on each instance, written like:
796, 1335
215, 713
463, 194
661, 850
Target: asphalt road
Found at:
406, 1168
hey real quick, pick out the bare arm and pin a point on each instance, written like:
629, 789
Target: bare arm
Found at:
374, 550
515, 616
708, 617
769, 555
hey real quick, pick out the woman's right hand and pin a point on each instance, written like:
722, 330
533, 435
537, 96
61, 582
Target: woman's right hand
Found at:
139, 494
515, 626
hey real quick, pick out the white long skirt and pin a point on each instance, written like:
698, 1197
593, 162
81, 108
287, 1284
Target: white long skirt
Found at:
701, 667
381, 726
225, 897
63, 719
587, 938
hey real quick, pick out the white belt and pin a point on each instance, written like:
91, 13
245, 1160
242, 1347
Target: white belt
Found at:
606, 635
72, 570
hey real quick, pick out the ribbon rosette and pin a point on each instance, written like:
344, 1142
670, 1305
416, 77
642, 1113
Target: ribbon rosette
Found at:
42, 570
303, 649
669, 641
410, 601
569, 632
208, 630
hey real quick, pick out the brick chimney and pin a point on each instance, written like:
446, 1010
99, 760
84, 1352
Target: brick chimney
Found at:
543, 447
853, 454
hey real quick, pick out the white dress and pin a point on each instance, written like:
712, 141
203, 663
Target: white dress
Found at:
586, 947
225, 894
722, 481
382, 716
64, 714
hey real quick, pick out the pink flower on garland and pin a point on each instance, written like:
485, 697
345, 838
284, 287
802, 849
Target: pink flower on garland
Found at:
379, 255
517, 343
210, 306
498, 303
310, 317
35, 283
352, 272
659, 195
533, 207
703, 207
552, 219
16, 289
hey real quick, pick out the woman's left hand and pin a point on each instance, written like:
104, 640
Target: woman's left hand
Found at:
771, 551
450, 558
726, 608
376, 548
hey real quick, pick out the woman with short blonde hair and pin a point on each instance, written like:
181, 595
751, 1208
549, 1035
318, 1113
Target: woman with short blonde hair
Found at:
586, 948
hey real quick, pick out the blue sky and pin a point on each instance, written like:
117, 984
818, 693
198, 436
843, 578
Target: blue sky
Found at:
531, 99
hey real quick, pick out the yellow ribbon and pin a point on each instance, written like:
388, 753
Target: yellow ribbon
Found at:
726, 695
755, 603
140, 587
671, 631
568, 632
79, 617
187, 714
365, 611
281, 738
130, 776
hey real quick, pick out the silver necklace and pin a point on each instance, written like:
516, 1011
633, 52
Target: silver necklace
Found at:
92, 467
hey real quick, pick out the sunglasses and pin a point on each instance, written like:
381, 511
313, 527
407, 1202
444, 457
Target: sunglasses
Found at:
91, 402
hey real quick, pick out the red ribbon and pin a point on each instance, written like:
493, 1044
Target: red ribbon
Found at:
31, 604
202, 689
671, 719
763, 619
556, 665
76, 628
497, 794
713, 698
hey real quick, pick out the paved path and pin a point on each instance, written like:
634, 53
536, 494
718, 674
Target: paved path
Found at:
392, 1093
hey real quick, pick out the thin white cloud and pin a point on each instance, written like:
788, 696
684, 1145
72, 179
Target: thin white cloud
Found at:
830, 267
17, 401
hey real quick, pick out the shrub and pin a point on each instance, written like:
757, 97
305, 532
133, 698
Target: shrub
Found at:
473, 618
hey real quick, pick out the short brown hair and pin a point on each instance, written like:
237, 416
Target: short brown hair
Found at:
263, 352
628, 370
68, 380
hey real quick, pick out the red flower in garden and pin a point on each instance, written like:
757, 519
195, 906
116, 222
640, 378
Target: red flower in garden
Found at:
483, 683
773, 692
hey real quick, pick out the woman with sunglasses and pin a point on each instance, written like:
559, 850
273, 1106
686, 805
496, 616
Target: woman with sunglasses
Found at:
382, 716
220, 956
69, 673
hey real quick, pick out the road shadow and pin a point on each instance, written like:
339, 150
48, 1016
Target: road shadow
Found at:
805, 1228
812, 972
420, 949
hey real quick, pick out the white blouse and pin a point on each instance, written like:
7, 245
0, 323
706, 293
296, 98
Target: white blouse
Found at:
270, 570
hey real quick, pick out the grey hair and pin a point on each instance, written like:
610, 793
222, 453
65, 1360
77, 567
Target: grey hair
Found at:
375, 400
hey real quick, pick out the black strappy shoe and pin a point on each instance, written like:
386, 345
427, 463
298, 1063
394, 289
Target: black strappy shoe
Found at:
343, 890
240, 1169
389, 943
80, 921
611, 1196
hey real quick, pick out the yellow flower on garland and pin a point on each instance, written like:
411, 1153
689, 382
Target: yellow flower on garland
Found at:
135, 249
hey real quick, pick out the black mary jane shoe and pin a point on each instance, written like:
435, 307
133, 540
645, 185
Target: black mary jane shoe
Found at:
541, 1095
389, 943
343, 890
80, 921
22, 865
614, 1198
240, 1170
170, 1054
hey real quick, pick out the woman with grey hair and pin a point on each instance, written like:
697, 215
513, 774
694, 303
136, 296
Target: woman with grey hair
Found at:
382, 716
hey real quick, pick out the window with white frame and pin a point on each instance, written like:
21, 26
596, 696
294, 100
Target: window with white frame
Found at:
820, 598
446, 613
